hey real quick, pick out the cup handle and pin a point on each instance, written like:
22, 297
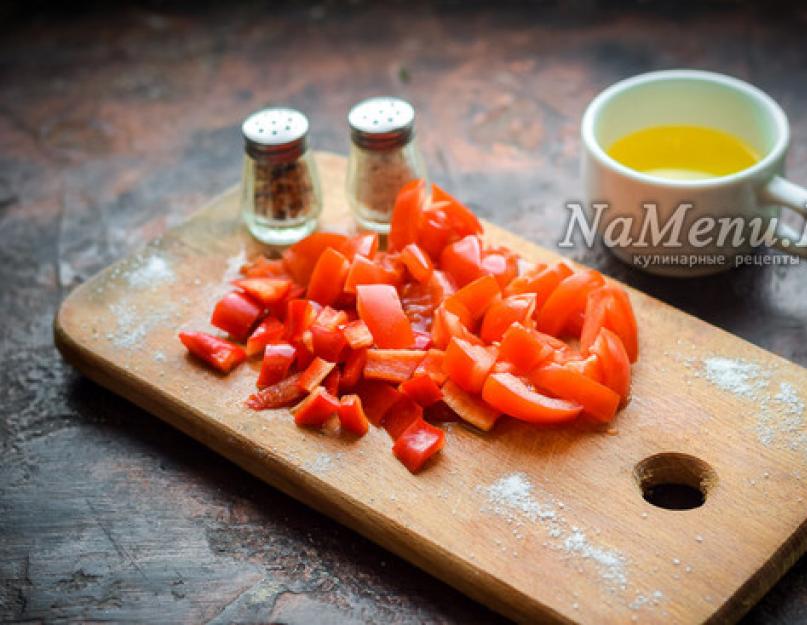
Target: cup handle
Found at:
792, 196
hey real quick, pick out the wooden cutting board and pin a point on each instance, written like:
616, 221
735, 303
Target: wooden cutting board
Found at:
541, 525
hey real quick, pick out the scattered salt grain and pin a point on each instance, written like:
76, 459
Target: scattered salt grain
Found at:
150, 273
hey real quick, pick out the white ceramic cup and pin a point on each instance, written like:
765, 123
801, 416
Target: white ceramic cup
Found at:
689, 97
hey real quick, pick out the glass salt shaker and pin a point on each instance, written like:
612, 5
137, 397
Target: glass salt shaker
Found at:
383, 158
280, 194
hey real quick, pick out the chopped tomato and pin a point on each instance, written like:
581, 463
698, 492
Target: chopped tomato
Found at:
400, 415
267, 291
351, 415
503, 267
446, 325
422, 389
236, 314
300, 315
417, 262
470, 408
357, 334
566, 300
503, 313
364, 271
462, 219
435, 231
477, 296
328, 277
330, 318
463, 260
594, 317
468, 365
279, 395
524, 348
316, 409
406, 214
353, 368
365, 244
615, 364
597, 400
277, 360
301, 257
392, 365
270, 330
623, 322
380, 308
541, 280
432, 365
329, 344
377, 398
315, 373
419, 442
217, 352
262, 267
512, 396
588, 366
332, 381
423, 340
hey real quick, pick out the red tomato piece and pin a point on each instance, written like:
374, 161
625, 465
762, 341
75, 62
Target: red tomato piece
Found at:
597, 400
462, 219
512, 396
567, 299
316, 409
217, 352
328, 277
417, 262
588, 366
357, 334
332, 381
351, 415
541, 280
503, 267
503, 313
279, 395
614, 363
446, 325
406, 214
267, 291
419, 442
622, 321
353, 368
300, 259
364, 271
435, 232
303, 356
236, 314
392, 365
331, 318
300, 316
270, 330
470, 408
422, 389
377, 398
315, 373
594, 317
423, 340
432, 366
380, 308
365, 243
262, 267
400, 415
329, 344
476, 296
468, 365
463, 260
524, 348
277, 360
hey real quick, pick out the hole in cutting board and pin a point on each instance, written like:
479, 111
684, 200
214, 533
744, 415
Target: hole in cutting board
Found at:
674, 481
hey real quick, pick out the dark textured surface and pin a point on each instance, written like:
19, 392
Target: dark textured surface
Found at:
115, 125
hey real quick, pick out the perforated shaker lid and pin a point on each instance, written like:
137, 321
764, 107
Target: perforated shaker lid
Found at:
382, 122
276, 131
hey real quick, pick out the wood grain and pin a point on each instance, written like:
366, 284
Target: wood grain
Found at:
581, 546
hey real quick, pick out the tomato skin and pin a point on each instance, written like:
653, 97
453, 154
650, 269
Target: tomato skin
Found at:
523, 348
328, 277
417, 262
615, 364
277, 360
380, 308
595, 317
468, 365
462, 219
236, 314
422, 389
567, 299
597, 400
279, 395
217, 352
392, 365
300, 259
351, 415
315, 409
270, 330
503, 313
470, 408
622, 321
462, 260
419, 442
267, 291
406, 214
512, 396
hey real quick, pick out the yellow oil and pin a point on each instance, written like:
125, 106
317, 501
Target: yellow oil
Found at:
683, 152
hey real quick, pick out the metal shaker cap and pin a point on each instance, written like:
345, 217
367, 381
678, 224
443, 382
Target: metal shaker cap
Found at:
277, 132
382, 123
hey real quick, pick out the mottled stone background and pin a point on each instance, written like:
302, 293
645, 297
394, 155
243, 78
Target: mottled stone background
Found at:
117, 121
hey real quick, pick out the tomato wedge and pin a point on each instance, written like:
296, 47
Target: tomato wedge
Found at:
567, 299
217, 352
523, 348
463, 260
419, 442
417, 262
597, 400
512, 396
462, 219
365, 244
470, 408
615, 364
267, 291
406, 215
364, 271
380, 308
476, 296
503, 313
468, 365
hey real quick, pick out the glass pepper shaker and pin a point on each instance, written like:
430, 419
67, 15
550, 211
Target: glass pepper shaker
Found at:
280, 194
383, 158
